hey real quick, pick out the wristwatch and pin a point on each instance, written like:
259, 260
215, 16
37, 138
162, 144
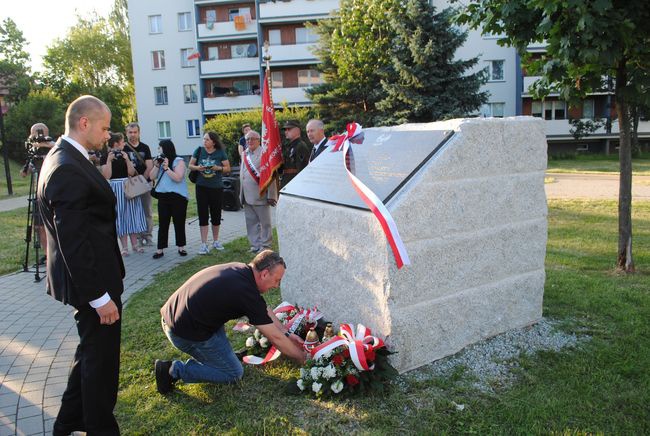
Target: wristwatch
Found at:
287, 334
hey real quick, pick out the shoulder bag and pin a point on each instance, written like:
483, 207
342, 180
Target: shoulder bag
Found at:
154, 193
135, 186
194, 174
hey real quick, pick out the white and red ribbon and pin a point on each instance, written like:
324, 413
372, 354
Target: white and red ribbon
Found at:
292, 324
342, 142
357, 343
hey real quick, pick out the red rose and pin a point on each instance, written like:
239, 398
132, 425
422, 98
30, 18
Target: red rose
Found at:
351, 380
346, 353
370, 355
337, 360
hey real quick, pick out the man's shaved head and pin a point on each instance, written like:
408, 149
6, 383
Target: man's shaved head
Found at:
85, 106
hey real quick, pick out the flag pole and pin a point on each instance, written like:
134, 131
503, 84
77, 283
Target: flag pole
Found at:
267, 60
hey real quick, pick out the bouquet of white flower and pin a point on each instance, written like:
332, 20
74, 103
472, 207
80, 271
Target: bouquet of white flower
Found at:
349, 362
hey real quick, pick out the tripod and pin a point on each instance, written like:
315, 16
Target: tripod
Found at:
31, 231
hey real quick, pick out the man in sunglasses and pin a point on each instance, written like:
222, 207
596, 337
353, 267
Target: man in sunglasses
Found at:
294, 152
193, 319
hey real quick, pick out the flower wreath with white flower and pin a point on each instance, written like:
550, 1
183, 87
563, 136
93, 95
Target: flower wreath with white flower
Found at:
350, 363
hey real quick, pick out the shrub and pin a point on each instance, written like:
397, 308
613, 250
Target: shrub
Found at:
228, 126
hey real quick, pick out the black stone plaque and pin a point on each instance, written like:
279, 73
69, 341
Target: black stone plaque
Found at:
384, 162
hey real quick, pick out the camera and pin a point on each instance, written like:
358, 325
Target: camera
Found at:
32, 145
37, 139
117, 154
160, 158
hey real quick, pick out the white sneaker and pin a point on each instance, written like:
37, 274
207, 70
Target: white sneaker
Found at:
204, 249
217, 246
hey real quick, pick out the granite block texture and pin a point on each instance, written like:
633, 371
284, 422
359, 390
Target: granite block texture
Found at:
474, 222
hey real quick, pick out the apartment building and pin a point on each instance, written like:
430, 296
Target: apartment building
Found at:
193, 59
196, 58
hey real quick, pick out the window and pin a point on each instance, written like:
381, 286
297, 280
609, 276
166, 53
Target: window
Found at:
495, 71
213, 53
243, 51
160, 93
155, 23
536, 109
305, 36
185, 54
184, 21
158, 59
276, 79
232, 13
243, 87
495, 110
164, 130
190, 94
308, 78
554, 110
193, 128
588, 109
275, 37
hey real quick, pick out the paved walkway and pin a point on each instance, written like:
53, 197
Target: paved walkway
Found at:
38, 336
13, 203
594, 186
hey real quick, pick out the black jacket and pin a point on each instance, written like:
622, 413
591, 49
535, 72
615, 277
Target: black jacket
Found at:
78, 210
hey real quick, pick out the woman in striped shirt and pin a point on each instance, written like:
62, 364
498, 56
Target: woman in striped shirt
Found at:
116, 167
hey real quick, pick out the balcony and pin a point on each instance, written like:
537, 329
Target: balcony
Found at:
232, 104
230, 66
291, 54
226, 30
297, 10
560, 129
528, 81
290, 96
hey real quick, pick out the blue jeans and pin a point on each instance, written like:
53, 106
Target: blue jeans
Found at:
212, 360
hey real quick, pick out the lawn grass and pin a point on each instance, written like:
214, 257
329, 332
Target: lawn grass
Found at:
13, 229
19, 185
598, 163
601, 387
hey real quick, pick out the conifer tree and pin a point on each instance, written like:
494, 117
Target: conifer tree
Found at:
423, 81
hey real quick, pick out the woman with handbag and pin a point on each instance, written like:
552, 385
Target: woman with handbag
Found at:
171, 192
116, 167
210, 162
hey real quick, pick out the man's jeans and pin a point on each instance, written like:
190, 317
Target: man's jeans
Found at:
212, 360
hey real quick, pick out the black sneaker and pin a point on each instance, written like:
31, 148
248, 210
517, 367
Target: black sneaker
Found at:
164, 381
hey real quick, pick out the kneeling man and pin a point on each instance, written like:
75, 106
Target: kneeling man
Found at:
193, 319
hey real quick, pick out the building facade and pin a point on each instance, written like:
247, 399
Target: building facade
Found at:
193, 59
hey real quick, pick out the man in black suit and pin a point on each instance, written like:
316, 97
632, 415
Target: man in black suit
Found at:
84, 266
316, 134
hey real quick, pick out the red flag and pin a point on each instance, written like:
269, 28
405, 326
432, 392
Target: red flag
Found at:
195, 55
271, 147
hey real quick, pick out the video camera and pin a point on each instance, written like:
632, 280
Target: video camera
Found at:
32, 144
160, 158
37, 139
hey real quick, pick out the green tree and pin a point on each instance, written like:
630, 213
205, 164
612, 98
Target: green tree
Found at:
15, 72
39, 106
423, 82
354, 45
586, 41
94, 58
